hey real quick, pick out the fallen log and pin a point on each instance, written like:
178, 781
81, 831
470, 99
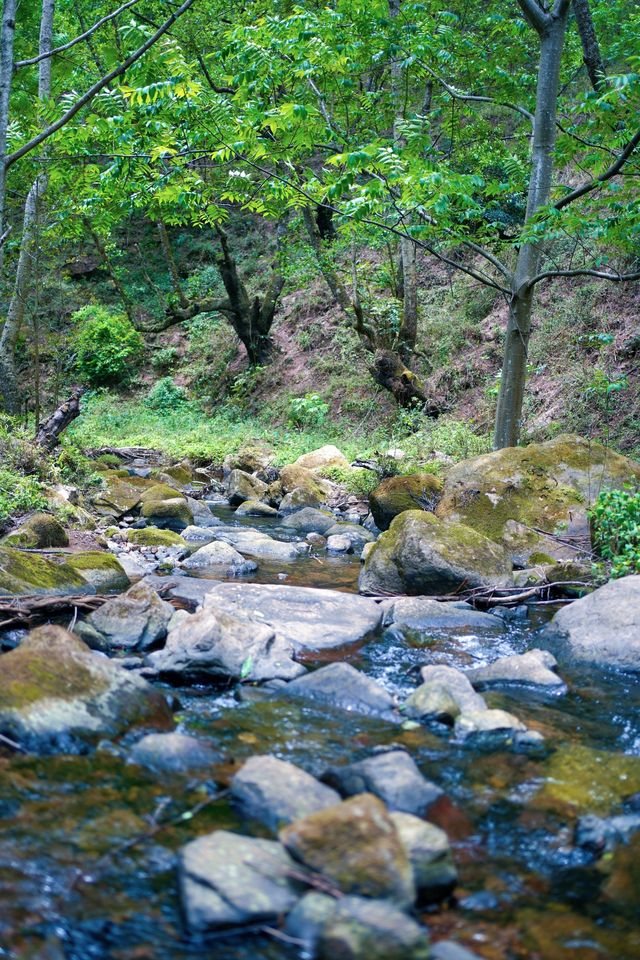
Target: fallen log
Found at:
49, 432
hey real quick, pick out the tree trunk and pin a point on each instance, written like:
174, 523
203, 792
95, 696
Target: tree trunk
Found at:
590, 47
7, 32
49, 432
171, 265
514, 367
111, 270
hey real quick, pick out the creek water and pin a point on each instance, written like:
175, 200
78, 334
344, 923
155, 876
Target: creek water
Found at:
85, 873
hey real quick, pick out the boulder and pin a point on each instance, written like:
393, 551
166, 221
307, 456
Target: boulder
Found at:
338, 544
485, 724
241, 486
420, 554
221, 558
40, 531
308, 618
535, 668
252, 457
155, 537
179, 475
429, 851
602, 628
425, 614
309, 520
354, 845
363, 929
174, 514
323, 457
299, 498
118, 496
55, 693
202, 516
416, 491
255, 508
276, 792
161, 491
214, 643
444, 694
307, 920
392, 776
512, 494
135, 620
195, 534
226, 880
173, 753
341, 686
260, 546
353, 531
30, 574
100, 570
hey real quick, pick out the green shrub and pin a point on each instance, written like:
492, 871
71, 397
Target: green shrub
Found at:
107, 346
164, 359
616, 530
19, 494
166, 396
308, 411
355, 480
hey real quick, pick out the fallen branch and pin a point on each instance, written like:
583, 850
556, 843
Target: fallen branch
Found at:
25, 611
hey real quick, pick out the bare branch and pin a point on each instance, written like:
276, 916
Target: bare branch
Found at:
608, 174
586, 272
475, 98
96, 88
78, 39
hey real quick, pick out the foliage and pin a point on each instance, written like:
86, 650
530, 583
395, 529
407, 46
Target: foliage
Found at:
616, 530
107, 345
354, 479
164, 359
307, 411
19, 494
166, 396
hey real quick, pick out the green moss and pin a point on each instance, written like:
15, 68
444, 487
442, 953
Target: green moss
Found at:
28, 573
538, 558
99, 569
40, 530
154, 537
161, 491
594, 781
29, 677
169, 512
397, 494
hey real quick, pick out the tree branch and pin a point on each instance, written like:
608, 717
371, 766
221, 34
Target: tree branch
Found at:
96, 88
475, 98
608, 174
586, 272
533, 13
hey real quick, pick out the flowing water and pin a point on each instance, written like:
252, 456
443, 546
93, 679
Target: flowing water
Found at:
85, 872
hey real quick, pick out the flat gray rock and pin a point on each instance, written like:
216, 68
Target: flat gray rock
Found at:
276, 792
260, 546
173, 753
393, 776
535, 668
309, 520
219, 557
341, 685
187, 590
425, 613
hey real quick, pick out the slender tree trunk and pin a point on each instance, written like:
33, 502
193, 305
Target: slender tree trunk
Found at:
172, 267
514, 367
100, 246
590, 47
7, 32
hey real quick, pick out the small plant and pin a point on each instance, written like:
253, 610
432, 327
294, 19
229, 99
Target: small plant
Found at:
19, 494
615, 519
107, 345
355, 480
307, 411
164, 359
166, 396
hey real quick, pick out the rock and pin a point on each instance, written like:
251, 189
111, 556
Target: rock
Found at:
316, 540
362, 929
189, 591
425, 613
602, 628
356, 846
173, 753
118, 496
219, 557
100, 570
195, 534
172, 514
601, 835
202, 516
483, 723
276, 792
216, 644
445, 693
226, 880
510, 494
366, 550
155, 537
533, 668
342, 686
323, 457
30, 574
56, 692
420, 554
241, 486
254, 543
309, 520
392, 776
39, 531
255, 508
356, 533
135, 620
252, 457
308, 618
338, 544
416, 491
161, 491
450, 950
429, 851
307, 920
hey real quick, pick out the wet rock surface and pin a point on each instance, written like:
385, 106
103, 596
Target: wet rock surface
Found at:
340, 686
392, 776
276, 792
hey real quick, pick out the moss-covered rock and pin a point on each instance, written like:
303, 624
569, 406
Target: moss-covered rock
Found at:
416, 491
422, 555
322, 458
54, 691
295, 477
253, 456
174, 514
29, 574
160, 491
155, 537
180, 475
40, 530
100, 570
118, 496
517, 495
241, 486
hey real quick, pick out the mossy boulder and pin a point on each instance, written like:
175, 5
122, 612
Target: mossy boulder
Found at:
252, 457
55, 692
39, 531
323, 458
100, 570
422, 555
155, 537
517, 495
416, 491
295, 477
119, 494
174, 514
180, 475
241, 486
29, 574
134, 620
160, 491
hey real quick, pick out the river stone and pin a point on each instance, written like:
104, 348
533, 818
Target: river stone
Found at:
188, 591
241, 486
425, 613
342, 686
252, 457
133, 621
363, 929
392, 776
450, 950
307, 920
118, 496
299, 498
416, 491
202, 516
254, 543
323, 457
219, 557
444, 694
512, 494
309, 520
31, 574
600, 835
355, 845
40, 531
54, 691
174, 514
216, 643
420, 554
602, 628
155, 537
255, 508
161, 491
356, 533
100, 570
195, 534
299, 478
276, 792
307, 617
533, 668
429, 851
338, 544
173, 753
484, 724
227, 879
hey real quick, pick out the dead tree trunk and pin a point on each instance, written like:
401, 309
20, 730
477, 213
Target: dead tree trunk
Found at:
49, 432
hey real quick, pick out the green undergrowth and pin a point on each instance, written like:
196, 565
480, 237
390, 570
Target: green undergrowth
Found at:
616, 529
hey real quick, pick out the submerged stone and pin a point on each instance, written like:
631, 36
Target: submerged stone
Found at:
364, 929
342, 686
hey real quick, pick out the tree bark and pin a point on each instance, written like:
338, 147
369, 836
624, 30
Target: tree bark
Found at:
172, 267
7, 33
551, 29
590, 47
48, 435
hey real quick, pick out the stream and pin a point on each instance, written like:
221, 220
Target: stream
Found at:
75, 885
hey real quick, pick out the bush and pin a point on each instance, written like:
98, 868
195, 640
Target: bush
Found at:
307, 411
164, 359
616, 530
165, 396
18, 495
108, 347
